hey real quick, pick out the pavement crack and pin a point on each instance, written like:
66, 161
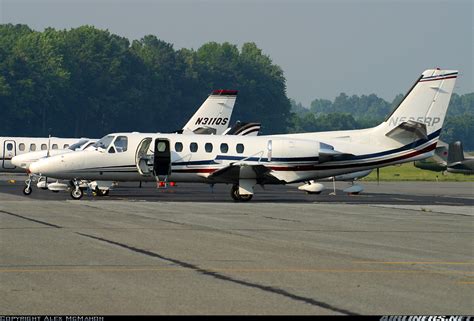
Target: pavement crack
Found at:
223, 277
31, 219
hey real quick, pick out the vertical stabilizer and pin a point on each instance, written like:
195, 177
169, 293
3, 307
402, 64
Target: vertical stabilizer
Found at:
424, 107
213, 116
455, 153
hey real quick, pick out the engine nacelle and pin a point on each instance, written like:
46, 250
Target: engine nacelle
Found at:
307, 150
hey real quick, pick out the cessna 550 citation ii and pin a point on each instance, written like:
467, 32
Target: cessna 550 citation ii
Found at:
409, 133
212, 117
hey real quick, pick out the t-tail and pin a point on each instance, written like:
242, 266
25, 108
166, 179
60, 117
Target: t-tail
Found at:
455, 153
421, 113
213, 116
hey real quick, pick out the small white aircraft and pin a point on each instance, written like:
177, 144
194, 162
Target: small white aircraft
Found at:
212, 117
409, 133
12, 146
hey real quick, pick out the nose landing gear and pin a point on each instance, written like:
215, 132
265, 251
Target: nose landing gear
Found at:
28, 190
76, 191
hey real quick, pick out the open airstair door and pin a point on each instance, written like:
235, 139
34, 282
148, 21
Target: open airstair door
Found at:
143, 158
162, 159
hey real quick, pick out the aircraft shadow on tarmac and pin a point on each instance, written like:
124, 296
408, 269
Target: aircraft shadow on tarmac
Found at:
220, 193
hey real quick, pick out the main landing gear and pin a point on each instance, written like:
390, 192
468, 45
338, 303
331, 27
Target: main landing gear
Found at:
234, 192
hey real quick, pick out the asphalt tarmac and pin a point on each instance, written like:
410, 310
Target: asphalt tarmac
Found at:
414, 193
398, 248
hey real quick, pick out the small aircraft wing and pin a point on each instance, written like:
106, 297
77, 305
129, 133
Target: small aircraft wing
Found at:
236, 171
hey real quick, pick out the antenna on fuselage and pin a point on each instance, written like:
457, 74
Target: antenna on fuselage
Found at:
49, 145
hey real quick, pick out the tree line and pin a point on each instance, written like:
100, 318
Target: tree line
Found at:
355, 112
87, 82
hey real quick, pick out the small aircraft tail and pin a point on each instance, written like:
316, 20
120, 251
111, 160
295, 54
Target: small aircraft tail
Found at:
213, 116
422, 111
455, 153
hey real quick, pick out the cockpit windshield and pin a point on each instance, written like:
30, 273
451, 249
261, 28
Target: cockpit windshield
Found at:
104, 142
78, 145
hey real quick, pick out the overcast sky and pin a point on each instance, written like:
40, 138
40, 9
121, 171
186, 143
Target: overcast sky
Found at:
323, 47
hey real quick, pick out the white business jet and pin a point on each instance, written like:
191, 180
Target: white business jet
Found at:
409, 133
212, 117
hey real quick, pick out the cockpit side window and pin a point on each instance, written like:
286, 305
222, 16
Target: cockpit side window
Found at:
87, 145
78, 144
121, 144
104, 142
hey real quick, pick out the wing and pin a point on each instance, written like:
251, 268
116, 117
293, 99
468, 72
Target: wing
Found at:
234, 172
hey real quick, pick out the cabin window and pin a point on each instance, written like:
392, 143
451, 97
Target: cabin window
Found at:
224, 148
21, 147
193, 147
44, 147
10, 147
32, 147
55, 146
161, 147
208, 147
178, 147
239, 148
121, 144
66, 146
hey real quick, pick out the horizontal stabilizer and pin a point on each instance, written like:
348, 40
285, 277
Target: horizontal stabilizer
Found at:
408, 131
205, 131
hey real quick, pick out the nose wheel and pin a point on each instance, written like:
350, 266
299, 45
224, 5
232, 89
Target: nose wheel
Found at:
236, 196
28, 190
76, 191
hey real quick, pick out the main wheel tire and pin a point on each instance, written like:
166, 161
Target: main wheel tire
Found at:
234, 192
77, 193
27, 190
245, 198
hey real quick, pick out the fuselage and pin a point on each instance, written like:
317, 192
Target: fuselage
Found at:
290, 158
